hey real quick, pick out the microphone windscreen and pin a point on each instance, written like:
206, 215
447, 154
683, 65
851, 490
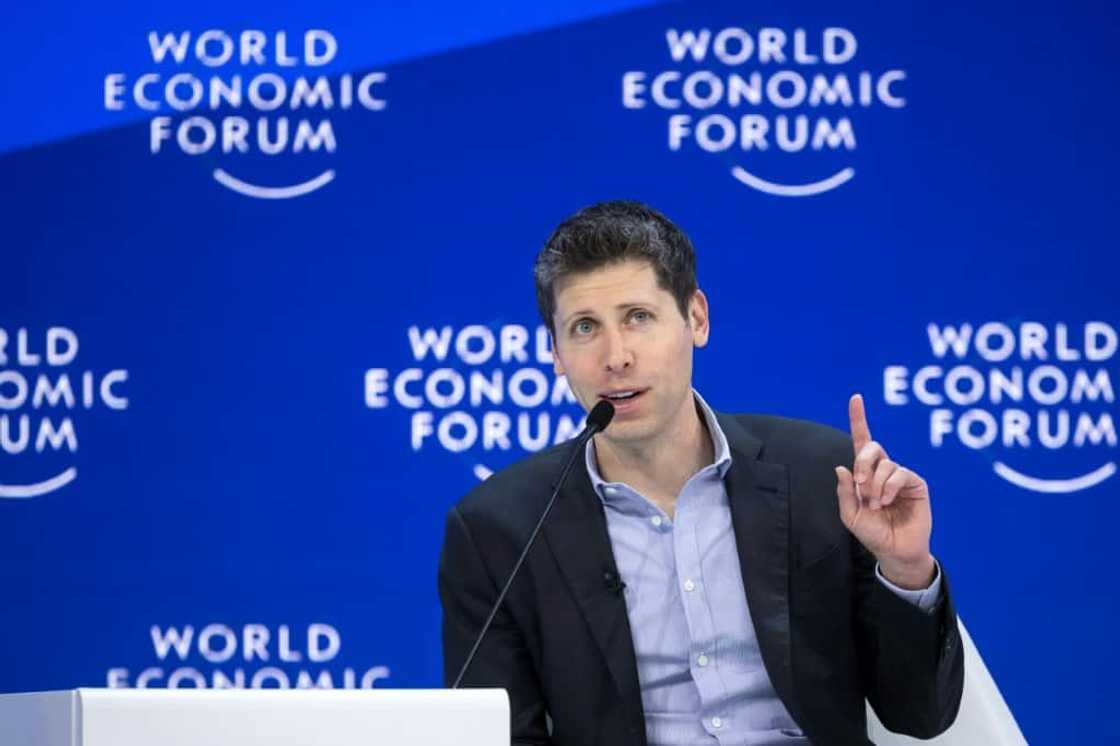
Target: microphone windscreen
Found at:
600, 415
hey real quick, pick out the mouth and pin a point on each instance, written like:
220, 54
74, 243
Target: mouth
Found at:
624, 400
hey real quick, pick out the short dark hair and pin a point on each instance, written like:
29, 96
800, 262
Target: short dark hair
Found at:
611, 232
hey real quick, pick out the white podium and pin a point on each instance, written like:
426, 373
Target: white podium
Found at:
252, 717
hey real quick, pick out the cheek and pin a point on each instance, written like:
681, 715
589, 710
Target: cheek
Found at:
578, 370
670, 354
673, 364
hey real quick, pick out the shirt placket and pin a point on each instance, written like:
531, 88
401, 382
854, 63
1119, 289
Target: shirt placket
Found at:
704, 657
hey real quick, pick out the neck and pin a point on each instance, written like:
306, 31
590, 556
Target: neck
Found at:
659, 468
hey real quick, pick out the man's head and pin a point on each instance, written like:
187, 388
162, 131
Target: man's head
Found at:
616, 285
609, 233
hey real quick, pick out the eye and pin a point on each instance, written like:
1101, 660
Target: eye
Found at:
640, 316
583, 327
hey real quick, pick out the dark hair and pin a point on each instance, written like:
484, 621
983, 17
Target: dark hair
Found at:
611, 232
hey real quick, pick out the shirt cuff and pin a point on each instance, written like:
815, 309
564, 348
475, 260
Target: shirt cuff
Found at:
925, 599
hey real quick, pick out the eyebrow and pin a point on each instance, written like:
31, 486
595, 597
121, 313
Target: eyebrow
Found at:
589, 312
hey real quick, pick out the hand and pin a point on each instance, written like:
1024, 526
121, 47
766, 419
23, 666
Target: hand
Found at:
886, 507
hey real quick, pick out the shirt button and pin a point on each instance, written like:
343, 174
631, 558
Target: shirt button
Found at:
610, 490
656, 520
689, 586
717, 723
702, 661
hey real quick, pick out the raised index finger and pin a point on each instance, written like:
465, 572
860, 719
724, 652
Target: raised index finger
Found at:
861, 433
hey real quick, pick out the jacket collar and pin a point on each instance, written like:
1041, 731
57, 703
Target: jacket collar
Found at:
758, 492
576, 532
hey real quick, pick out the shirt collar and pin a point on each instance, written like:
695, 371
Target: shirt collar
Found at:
720, 449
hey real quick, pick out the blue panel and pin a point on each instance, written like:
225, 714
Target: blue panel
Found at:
288, 448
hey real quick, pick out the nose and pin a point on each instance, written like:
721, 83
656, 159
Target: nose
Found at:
618, 354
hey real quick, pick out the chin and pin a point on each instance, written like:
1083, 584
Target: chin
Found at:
630, 431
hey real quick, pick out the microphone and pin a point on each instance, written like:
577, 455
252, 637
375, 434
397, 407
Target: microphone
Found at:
597, 419
612, 582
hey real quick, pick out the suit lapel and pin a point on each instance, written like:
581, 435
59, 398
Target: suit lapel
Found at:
576, 532
758, 494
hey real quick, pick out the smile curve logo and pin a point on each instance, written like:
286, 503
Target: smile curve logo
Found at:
1055, 486
793, 190
262, 192
24, 491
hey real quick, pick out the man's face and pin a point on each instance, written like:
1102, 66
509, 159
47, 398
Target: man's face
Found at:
620, 336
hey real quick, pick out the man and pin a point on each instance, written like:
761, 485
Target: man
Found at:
704, 578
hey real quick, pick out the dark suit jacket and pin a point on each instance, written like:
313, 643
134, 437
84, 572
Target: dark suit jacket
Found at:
830, 633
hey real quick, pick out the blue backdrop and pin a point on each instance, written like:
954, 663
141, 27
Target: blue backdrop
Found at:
242, 378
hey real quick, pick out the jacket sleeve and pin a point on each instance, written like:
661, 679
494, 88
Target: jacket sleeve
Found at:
467, 592
911, 661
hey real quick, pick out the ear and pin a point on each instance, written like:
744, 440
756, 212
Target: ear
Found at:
698, 318
557, 367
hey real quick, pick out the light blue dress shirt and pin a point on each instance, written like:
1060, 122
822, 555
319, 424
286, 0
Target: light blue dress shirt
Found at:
699, 665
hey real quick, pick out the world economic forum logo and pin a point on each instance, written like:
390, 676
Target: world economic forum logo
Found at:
239, 94
485, 393
42, 392
248, 656
767, 100
1038, 397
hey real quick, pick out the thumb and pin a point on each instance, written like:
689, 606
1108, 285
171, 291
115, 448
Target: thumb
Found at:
846, 492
